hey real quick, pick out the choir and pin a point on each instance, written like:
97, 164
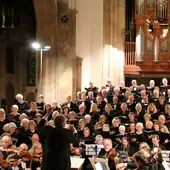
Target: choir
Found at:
129, 126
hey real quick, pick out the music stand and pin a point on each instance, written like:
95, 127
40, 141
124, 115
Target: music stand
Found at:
92, 149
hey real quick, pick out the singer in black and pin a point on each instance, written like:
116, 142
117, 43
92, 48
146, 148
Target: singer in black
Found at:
57, 154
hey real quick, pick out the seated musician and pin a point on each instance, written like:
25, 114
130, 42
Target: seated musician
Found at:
108, 152
144, 147
142, 161
125, 150
156, 150
21, 159
6, 146
36, 155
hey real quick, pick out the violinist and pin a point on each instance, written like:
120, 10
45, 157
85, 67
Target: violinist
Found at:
36, 156
20, 159
142, 161
6, 145
108, 152
156, 150
125, 150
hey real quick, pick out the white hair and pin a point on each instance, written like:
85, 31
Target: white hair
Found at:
54, 101
14, 106
98, 137
19, 96
2, 111
12, 125
87, 116
122, 127
149, 122
23, 121
139, 123
164, 79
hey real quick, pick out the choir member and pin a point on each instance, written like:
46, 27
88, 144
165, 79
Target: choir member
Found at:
40, 103
14, 115
69, 103
3, 120
100, 103
55, 107
82, 113
94, 112
22, 105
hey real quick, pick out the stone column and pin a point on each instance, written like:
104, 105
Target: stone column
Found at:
113, 43
47, 28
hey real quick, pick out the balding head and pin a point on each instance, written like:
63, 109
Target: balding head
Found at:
23, 148
107, 144
35, 138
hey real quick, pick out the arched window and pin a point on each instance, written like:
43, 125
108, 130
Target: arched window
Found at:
9, 60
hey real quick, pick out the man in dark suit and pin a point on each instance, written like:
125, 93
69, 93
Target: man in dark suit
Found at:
57, 154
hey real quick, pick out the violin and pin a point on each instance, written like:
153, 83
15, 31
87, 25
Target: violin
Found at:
4, 164
37, 157
112, 154
26, 158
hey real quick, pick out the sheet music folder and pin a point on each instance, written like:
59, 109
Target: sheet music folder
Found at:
76, 163
99, 163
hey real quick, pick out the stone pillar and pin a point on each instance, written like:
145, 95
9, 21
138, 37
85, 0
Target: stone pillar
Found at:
113, 43
56, 27
47, 27
89, 39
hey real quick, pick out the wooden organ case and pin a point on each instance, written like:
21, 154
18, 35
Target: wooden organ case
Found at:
152, 19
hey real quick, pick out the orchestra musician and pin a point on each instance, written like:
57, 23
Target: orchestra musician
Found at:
20, 159
108, 152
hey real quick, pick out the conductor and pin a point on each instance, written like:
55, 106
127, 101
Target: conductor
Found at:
57, 149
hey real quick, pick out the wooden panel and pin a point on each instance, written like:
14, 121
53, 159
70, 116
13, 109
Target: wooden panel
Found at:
154, 67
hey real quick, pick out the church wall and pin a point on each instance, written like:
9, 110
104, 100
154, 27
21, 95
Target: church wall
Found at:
19, 79
89, 39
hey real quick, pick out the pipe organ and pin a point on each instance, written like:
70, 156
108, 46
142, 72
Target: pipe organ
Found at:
153, 20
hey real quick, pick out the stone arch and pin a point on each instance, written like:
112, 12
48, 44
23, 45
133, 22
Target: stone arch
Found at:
9, 95
31, 97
